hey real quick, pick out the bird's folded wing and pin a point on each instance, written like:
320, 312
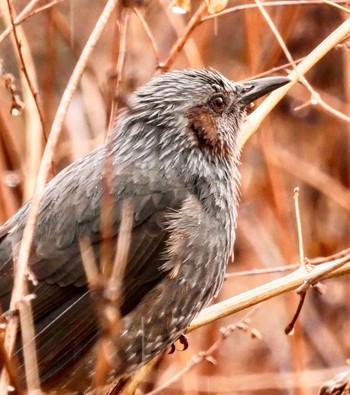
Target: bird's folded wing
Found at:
64, 315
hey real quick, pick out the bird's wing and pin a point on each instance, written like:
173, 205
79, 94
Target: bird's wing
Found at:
69, 210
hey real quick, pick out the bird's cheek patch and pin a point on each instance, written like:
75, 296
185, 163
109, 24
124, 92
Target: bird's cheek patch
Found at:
204, 127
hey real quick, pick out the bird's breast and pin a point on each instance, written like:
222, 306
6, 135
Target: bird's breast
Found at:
198, 249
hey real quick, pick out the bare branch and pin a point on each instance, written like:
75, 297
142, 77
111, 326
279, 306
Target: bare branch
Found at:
267, 291
254, 119
24, 252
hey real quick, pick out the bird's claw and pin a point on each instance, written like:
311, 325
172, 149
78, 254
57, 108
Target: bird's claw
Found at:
183, 341
172, 349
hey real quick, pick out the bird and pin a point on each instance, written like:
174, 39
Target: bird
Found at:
174, 157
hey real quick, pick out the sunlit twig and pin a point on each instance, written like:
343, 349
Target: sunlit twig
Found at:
24, 252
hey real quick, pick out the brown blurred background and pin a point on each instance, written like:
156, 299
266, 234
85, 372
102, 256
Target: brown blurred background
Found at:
298, 145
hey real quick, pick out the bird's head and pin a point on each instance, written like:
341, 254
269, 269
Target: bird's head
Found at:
193, 116
203, 107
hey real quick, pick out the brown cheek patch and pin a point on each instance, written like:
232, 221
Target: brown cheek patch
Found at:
203, 124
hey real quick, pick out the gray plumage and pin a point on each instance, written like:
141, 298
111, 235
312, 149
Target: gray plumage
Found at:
174, 155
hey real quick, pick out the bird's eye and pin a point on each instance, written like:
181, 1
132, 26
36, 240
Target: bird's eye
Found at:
217, 103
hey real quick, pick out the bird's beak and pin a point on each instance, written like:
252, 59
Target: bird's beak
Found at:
254, 89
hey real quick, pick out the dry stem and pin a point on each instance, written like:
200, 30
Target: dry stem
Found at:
254, 120
193, 23
267, 291
231, 10
24, 252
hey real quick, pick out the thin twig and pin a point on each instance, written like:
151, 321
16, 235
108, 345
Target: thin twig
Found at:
315, 96
24, 304
333, 257
289, 330
32, 89
278, 36
88, 260
317, 100
270, 270
254, 119
231, 10
107, 176
336, 5
149, 34
10, 369
284, 66
181, 41
123, 246
120, 66
38, 10
24, 252
287, 268
299, 228
323, 273
329, 269
31, 367
26, 10
110, 307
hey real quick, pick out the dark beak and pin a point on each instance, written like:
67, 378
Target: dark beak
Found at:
254, 89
